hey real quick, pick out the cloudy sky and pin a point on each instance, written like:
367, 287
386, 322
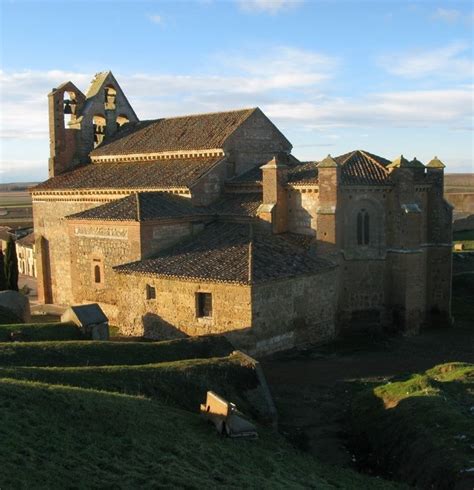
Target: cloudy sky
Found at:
389, 77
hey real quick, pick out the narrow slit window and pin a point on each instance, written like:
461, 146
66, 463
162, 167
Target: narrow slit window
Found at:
363, 227
366, 229
204, 305
97, 274
150, 292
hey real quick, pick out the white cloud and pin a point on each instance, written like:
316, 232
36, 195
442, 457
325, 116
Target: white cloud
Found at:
447, 15
289, 85
155, 18
453, 61
268, 6
451, 107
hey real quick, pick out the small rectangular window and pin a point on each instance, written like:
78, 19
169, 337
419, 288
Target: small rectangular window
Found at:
204, 305
150, 292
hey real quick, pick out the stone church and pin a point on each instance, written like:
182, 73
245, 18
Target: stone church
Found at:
207, 223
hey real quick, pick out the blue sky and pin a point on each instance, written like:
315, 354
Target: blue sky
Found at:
388, 77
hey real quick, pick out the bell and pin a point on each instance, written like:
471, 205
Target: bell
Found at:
67, 107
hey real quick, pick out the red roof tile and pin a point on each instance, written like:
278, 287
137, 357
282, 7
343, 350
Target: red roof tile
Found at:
137, 175
193, 132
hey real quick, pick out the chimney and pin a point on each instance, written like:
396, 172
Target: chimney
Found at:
274, 208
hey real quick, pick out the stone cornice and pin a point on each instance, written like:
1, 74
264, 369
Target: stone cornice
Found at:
100, 194
163, 155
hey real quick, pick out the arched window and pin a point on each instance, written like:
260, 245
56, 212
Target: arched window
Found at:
69, 107
121, 120
110, 95
363, 227
97, 275
98, 123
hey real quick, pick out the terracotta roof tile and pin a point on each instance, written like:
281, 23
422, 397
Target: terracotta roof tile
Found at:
298, 172
223, 252
363, 168
143, 206
238, 204
27, 241
193, 132
137, 175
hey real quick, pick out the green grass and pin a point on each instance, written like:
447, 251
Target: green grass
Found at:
420, 429
41, 331
98, 353
181, 384
58, 437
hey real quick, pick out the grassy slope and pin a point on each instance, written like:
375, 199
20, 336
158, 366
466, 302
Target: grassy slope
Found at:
41, 331
104, 440
421, 429
90, 353
182, 384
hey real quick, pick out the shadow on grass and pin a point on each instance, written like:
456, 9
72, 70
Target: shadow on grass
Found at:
422, 440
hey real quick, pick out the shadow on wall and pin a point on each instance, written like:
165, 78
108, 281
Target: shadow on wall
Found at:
154, 327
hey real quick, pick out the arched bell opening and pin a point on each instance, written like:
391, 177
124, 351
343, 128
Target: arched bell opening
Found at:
110, 95
98, 123
122, 120
69, 107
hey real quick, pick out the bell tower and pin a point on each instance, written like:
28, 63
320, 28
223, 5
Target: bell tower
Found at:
64, 104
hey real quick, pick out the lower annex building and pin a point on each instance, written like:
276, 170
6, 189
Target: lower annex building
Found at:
207, 223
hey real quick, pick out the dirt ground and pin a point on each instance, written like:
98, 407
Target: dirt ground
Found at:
313, 389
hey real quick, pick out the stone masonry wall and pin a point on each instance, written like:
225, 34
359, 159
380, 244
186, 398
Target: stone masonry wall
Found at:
157, 236
255, 142
209, 187
293, 312
49, 222
302, 210
173, 312
105, 244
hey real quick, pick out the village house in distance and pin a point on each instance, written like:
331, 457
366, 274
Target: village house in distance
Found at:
208, 224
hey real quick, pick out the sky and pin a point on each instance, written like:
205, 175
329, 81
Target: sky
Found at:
389, 77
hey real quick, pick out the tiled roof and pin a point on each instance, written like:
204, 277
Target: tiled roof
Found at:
142, 206
27, 241
303, 241
238, 204
298, 172
193, 132
305, 173
358, 167
362, 168
233, 253
137, 175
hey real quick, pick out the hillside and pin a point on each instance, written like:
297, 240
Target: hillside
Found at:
134, 424
420, 429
